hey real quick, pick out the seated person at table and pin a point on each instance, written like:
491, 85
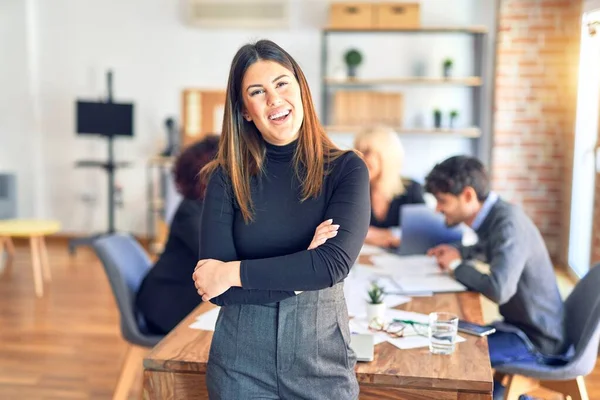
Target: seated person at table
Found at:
384, 156
521, 279
167, 293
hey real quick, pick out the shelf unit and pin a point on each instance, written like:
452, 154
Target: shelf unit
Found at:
422, 29
158, 168
463, 132
408, 80
477, 84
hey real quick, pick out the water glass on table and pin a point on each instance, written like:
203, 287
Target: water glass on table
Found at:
443, 328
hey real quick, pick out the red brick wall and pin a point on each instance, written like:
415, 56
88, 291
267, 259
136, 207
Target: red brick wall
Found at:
535, 102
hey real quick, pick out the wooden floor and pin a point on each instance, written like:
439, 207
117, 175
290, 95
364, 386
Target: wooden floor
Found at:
67, 345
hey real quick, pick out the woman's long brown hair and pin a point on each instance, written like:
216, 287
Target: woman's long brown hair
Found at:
241, 148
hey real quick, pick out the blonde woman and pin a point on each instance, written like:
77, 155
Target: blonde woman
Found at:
384, 156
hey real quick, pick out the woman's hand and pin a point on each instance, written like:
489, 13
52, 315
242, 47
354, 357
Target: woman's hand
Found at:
381, 237
213, 277
326, 230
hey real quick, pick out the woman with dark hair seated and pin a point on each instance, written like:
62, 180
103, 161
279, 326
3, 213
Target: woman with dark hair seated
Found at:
167, 293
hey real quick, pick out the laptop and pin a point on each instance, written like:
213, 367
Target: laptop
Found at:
424, 228
363, 346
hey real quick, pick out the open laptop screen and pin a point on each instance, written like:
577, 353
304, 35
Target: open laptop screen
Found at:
423, 228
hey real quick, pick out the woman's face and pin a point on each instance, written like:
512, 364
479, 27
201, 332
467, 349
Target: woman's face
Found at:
373, 162
272, 100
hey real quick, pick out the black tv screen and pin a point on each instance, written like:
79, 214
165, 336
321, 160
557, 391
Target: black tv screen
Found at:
109, 119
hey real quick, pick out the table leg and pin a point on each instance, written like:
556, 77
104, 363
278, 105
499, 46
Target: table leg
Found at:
45, 262
2, 257
37, 266
10, 247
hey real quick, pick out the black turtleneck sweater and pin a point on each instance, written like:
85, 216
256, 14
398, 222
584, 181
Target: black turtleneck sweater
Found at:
272, 249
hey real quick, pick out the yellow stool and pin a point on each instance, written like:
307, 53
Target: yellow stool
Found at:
35, 230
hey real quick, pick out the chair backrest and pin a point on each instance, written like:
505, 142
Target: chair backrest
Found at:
582, 320
126, 263
8, 196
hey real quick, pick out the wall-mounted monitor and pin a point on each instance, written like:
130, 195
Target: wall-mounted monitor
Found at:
107, 119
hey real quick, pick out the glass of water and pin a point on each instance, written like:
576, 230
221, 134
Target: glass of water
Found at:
442, 332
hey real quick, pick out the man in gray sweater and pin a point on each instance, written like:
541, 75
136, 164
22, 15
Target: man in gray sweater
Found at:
521, 279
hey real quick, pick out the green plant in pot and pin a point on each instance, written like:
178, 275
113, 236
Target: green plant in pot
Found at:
353, 59
448, 63
375, 304
453, 116
437, 118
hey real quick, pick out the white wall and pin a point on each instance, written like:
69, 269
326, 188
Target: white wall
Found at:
19, 152
154, 56
591, 5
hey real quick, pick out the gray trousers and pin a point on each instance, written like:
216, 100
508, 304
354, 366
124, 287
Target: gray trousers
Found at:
295, 349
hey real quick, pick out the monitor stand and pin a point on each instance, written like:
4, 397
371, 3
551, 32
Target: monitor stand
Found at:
110, 166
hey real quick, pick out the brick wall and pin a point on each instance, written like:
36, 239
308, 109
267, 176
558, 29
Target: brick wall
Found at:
535, 103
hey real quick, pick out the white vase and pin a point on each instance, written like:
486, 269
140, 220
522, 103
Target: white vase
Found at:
375, 311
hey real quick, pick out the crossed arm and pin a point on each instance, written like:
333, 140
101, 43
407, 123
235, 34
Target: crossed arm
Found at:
224, 279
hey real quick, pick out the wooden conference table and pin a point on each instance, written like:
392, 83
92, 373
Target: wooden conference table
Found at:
176, 367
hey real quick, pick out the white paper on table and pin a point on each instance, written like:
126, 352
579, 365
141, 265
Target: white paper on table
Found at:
357, 298
355, 304
397, 265
359, 325
367, 273
206, 321
357, 285
416, 274
411, 340
439, 283
369, 250
414, 342
364, 272
407, 315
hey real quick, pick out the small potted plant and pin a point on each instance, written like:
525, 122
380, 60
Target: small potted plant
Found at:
375, 305
437, 118
448, 63
453, 116
353, 59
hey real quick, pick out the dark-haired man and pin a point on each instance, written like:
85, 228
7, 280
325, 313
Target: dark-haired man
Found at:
521, 279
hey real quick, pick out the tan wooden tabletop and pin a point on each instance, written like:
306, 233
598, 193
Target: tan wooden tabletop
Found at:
174, 366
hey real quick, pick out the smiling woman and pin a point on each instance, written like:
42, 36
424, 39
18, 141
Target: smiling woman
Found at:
282, 329
272, 102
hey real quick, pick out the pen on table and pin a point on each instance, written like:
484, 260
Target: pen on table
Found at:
409, 321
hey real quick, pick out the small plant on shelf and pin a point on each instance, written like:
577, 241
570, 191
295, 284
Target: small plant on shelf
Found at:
453, 116
437, 118
353, 59
448, 63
